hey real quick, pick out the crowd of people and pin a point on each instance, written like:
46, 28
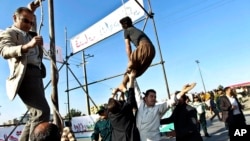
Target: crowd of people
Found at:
188, 116
134, 117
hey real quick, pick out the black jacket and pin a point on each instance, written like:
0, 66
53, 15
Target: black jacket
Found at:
124, 122
184, 118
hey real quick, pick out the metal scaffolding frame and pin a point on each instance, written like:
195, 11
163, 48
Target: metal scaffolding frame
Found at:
149, 15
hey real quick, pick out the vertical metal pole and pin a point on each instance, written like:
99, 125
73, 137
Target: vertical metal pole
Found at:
159, 48
54, 94
66, 107
197, 61
86, 82
67, 74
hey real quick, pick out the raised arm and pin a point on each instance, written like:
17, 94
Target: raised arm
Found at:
169, 119
138, 96
186, 88
33, 6
131, 91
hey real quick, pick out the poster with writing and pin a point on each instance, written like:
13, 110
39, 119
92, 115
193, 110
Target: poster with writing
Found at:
107, 26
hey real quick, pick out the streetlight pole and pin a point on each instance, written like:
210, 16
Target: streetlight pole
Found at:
197, 61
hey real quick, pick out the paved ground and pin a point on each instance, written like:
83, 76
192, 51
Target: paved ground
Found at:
217, 129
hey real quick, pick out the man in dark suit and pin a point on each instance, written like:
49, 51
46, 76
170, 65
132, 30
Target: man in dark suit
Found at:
121, 114
232, 113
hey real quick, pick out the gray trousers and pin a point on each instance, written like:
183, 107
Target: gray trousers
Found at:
32, 94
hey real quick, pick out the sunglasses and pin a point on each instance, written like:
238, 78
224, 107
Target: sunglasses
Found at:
27, 21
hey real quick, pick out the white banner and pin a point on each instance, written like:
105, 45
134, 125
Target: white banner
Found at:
5, 131
59, 56
83, 126
107, 26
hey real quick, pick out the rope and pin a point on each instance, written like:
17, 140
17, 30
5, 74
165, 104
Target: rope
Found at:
53, 62
42, 18
39, 32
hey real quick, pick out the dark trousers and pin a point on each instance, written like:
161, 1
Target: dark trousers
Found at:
203, 123
237, 122
32, 94
190, 137
216, 113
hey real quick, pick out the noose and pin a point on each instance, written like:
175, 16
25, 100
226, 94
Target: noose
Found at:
53, 62
39, 32
42, 17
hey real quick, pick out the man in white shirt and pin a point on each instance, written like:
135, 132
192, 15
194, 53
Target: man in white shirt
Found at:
149, 113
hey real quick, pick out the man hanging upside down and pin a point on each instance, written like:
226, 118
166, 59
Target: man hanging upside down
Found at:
139, 59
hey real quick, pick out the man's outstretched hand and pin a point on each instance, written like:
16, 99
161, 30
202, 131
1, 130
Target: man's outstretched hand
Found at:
187, 88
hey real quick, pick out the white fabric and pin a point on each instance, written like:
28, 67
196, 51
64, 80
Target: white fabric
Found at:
199, 106
33, 53
208, 103
148, 119
234, 103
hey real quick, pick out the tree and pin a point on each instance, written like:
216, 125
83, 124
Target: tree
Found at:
74, 113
